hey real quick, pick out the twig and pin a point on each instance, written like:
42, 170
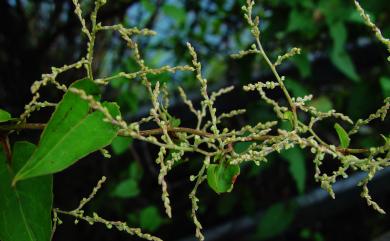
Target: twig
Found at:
158, 131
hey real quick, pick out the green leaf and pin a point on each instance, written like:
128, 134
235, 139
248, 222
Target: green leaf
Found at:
296, 88
302, 21
386, 139
275, 221
4, 116
126, 189
241, 147
301, 61
176, 13
361, 101
297, 167
25, 209
288, 115
71, 133
118, 82
355, 17
162, 78
128, 100
175, 122
368, 142
150, 7
308, 234
135, 171
318, 237
343, 135
120, 144
344, 63
339, 56
322, 104
132, 219
150, 218
333, 10
286, 124
221, 177
215, 68
338, 32
385, 86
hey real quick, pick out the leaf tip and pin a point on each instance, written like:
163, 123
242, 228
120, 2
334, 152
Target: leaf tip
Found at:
14, 181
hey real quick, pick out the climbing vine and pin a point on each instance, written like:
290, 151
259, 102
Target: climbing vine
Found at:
26, 170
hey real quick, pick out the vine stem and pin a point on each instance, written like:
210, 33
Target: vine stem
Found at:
280, 81
158, 131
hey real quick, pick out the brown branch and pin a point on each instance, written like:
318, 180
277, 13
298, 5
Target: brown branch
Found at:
352, 151
158, 131
25, 126
4, 140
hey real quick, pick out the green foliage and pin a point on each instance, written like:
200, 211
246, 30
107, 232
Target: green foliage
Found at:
339, 55
289, 116
129, 187
25, 209
71, 133
221, 177
82, 124
297, 168
4, 116
361, 93
120, 144
343, 136
302, 62
275, 221
385, 85
322, 103
150, 7
302, 22
126, 189
242, 146
176, 13
135, 171
308, 234
150, 218
173, 121
296, 88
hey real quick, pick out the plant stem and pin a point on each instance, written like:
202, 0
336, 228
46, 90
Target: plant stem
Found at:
158, 131
280, 81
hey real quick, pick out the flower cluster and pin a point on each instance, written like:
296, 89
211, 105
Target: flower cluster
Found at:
209, 138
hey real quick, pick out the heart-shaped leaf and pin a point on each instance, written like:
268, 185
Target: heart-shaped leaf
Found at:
221, 177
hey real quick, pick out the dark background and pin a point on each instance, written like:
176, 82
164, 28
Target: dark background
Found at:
341, 64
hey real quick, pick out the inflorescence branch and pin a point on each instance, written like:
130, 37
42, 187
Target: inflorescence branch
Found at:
208, 137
